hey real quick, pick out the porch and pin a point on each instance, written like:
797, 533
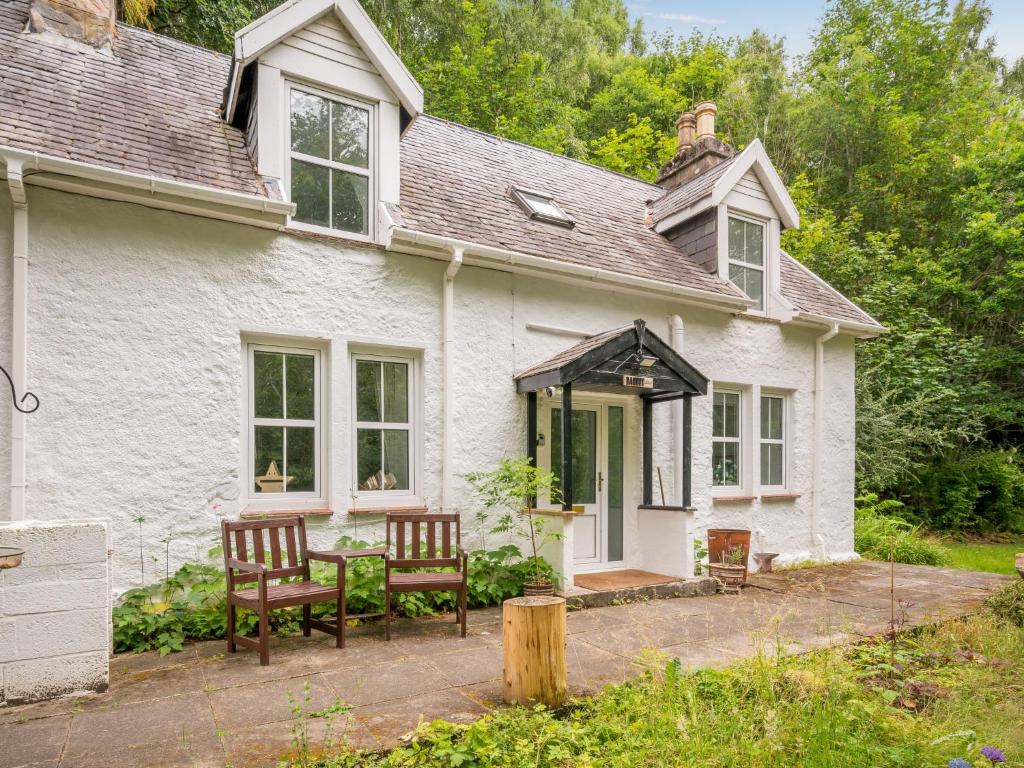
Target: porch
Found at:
612, 515
202, 708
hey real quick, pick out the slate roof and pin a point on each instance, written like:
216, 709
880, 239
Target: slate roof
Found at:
153, 108
809, 293
457, 182
575, 352
687, 194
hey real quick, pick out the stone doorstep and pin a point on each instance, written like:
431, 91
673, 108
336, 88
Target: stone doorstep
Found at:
699, 587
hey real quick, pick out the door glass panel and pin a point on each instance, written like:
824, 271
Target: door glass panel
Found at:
615, 482
584, 454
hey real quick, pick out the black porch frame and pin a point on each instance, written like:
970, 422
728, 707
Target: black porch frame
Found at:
630, 361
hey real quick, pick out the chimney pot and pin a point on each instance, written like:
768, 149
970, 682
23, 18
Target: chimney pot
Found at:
706, 112
686, 127
87, 21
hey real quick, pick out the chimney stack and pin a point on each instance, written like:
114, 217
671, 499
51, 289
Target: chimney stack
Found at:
85, 21
686, 127
694, 155
706, 112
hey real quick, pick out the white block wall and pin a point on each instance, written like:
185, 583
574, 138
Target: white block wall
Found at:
54, 610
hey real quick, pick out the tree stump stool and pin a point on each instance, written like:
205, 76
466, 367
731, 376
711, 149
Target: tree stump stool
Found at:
534, 642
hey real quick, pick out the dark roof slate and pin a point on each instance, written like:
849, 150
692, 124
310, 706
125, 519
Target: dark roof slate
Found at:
685, 195
457, 182
575, 352
152, 108
809, 293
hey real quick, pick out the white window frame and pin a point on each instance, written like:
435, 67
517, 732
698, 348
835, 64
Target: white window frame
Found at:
383, 497
763, 268
287, 499
370, 172
783, 441
738, 440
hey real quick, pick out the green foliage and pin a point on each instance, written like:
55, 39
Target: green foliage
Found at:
917, 703
1007, 602
977, 491
509, 490
880, 533
191, 604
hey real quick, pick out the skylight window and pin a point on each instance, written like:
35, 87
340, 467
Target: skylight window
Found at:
542, 208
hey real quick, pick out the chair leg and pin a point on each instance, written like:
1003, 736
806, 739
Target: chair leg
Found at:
464, 601
264, 636
232, 647
307, 611
387, 610
339, 616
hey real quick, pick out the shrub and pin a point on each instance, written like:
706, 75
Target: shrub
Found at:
191, 604
879, 532
1007, 602
979, 491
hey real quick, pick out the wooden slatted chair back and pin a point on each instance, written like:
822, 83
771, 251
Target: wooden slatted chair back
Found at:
423, 540
279, 544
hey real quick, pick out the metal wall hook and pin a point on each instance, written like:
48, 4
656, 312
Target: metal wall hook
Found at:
18, 404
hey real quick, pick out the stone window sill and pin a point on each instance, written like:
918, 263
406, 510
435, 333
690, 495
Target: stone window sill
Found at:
779, 497
409, 510
260, 514
731, 499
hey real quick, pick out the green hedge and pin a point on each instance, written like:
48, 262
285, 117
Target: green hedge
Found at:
191, 604
977, 491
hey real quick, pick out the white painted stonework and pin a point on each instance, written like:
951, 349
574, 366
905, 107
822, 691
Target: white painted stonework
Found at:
137, 319
54, 610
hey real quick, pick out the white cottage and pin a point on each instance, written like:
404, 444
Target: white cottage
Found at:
268, 283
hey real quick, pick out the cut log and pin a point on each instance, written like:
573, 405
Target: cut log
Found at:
534, 640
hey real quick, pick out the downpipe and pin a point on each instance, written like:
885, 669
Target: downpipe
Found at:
19, 336
448, 345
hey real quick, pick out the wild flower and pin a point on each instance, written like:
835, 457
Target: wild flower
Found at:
958, 762
994, 755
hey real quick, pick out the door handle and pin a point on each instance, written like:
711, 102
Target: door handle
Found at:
600, 481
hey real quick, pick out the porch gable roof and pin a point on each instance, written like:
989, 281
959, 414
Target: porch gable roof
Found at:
603, 361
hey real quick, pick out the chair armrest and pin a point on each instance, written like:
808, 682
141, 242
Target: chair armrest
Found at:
326, 557
242, 565
464, 557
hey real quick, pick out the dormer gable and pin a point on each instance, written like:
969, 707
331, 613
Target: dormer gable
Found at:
727, 211
323, 100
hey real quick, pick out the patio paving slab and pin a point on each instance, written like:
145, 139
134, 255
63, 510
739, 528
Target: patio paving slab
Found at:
204, 707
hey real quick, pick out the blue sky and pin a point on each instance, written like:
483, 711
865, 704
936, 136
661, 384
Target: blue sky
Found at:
794, 19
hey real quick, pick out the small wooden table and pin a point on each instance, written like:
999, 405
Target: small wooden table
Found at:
344, 555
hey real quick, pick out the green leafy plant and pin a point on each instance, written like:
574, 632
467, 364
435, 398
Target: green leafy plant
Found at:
880, 533
510, 489
1007, 602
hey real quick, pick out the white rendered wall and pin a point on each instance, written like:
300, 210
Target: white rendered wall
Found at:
135, 327
54, 610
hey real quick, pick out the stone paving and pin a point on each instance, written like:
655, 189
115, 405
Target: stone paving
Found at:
204, 708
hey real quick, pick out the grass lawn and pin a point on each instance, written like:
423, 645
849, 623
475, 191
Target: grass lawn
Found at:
942, 693
983, 556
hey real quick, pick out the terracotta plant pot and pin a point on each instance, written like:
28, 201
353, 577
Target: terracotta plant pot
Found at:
723, 540
535, 588
731, 576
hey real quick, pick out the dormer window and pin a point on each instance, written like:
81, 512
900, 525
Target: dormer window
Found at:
330, 150
746, 258
542, 207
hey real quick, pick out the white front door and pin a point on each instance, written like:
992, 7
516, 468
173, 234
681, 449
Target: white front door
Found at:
597, 470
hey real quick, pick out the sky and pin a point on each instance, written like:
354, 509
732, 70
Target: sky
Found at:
794, 19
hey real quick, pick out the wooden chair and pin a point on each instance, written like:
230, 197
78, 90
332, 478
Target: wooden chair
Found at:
246, 547
416, 545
